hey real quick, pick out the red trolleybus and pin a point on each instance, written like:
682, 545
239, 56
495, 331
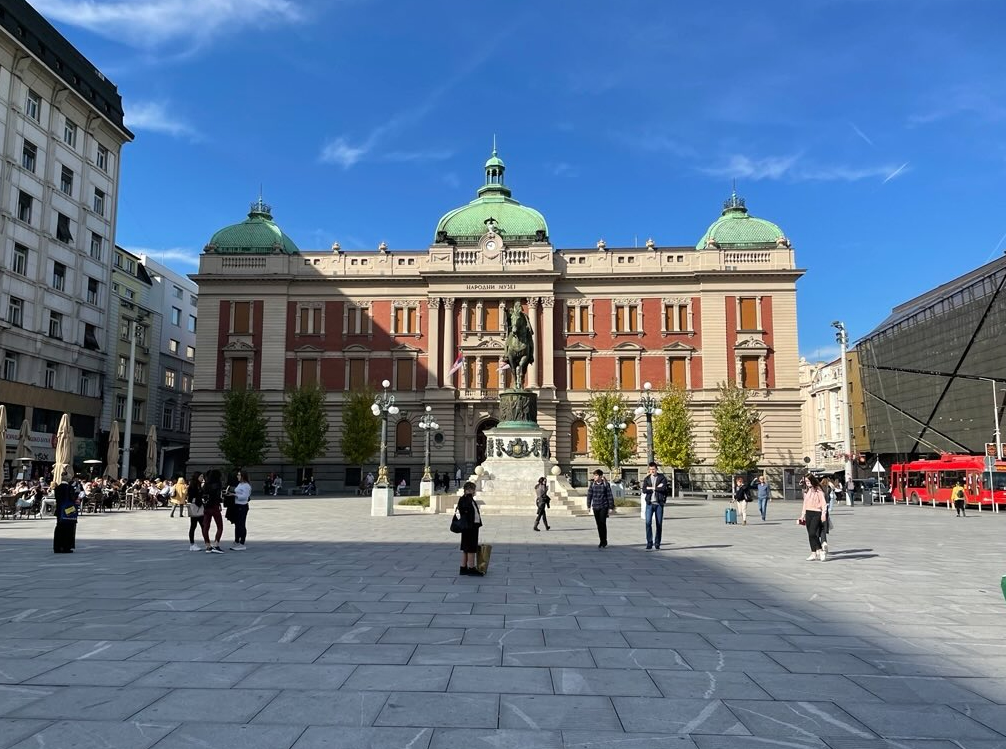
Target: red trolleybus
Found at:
931, 480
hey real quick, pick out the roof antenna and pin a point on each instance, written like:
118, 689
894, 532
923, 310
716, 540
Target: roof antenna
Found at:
494, 144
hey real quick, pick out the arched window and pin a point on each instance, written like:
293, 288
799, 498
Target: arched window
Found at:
403, 437
631, 437
578, 436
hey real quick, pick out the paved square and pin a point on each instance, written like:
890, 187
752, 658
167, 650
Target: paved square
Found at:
335, 629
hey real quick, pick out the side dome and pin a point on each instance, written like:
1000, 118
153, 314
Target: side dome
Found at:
493, 208
256, 235
735, 228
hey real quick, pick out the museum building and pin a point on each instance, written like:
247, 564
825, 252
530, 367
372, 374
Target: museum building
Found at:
273, 317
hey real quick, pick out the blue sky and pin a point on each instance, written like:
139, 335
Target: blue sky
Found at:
870, 130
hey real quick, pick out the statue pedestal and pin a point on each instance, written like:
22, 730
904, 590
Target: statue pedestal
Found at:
382, 501
516, 457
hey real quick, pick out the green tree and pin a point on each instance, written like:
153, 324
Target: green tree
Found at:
673, 431
304, 426
734, 432
602, 442
244, 440
361, 430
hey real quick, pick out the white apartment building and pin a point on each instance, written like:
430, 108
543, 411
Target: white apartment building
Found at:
824, 431
62, 132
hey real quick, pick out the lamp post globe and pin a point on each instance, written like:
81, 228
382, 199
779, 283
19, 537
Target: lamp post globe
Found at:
382, 498
428, 424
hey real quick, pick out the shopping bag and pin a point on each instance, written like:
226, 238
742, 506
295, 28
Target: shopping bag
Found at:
482, 560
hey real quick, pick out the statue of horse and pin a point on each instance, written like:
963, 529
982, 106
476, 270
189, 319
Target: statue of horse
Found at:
518, 343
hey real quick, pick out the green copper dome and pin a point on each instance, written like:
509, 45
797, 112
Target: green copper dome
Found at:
736, 229
256, 235
493, 207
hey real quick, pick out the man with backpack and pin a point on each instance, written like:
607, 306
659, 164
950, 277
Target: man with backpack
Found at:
960, 499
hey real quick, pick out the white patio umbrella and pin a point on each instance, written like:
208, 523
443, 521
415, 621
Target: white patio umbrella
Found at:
63, 470
112, 459
23, 437
151, 471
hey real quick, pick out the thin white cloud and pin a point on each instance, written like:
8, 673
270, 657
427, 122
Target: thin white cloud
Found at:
154, 116
174, 255
793, 169
339, 152
153, 23
655, 143
860, 133
895, 173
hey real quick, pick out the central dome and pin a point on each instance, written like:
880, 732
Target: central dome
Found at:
256, 235
737, 229
493, 207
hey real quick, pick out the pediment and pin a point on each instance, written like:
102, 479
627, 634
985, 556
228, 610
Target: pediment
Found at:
580, 346
238, 346
356, 348
679, 346
627, 346
308, 349
488, 343
751, 344
404, 348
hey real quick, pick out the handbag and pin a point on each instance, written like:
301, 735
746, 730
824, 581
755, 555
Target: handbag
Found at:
195, 511
457, 524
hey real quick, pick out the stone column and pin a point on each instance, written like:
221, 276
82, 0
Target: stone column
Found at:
547, 343
531, 375
450, 352
433, 338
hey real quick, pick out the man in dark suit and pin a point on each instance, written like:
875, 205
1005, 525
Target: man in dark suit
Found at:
653, 491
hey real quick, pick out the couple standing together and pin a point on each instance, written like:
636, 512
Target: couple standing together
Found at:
652, 491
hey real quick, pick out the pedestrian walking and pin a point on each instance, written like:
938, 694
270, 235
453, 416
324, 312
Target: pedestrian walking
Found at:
541, 501
653, 492
815, 511
195, 499
960, 499
742, 496
179, 497
457, 476
471, 520
212, 499
764, 495
239, 512
601, 502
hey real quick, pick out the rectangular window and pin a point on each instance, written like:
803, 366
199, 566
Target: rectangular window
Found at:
117, 262
55, 325
357, 374
176, 316
99, 202
137, 411
173, 346
242, 317
310, 320
177, 292
192, 324
405, 320
190, 352
84, 383
50, 375
121, 370
91, 337
169, 378
578, 374
29, 156
24, 201
129, 293
749, 372
357, 321
627, 374
168, 418
92, 290
63, 233
140, 373
627, 318
10, 366
584, 319
679, 377
33, 105
193, 300
15, 312
571, 319
102, 158
683, 317
308, 373
58, 276
403, 375
66, 181
186, 384
492, 318
96, 245
749, 313
120, 407
20, 264
491, 374
70, 133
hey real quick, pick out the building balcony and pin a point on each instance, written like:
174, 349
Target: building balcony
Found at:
480, 394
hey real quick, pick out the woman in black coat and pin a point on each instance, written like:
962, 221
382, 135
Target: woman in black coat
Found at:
64, 537
471, 521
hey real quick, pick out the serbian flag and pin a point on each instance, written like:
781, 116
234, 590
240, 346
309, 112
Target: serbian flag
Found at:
457, 364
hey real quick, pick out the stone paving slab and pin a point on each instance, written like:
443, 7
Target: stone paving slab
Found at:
725, 639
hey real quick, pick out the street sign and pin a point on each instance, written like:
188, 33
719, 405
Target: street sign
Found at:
877, 468
990, 449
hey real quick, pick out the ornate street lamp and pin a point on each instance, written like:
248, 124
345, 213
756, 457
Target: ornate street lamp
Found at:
648, 405
428, 424
842, 337
382, 498
616, 428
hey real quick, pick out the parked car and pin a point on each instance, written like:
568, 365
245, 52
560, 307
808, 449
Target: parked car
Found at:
870, 485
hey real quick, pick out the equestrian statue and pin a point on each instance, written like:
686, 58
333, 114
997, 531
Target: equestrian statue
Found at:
518, 342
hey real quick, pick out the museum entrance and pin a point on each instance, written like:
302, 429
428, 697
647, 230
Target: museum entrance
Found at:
480, 439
